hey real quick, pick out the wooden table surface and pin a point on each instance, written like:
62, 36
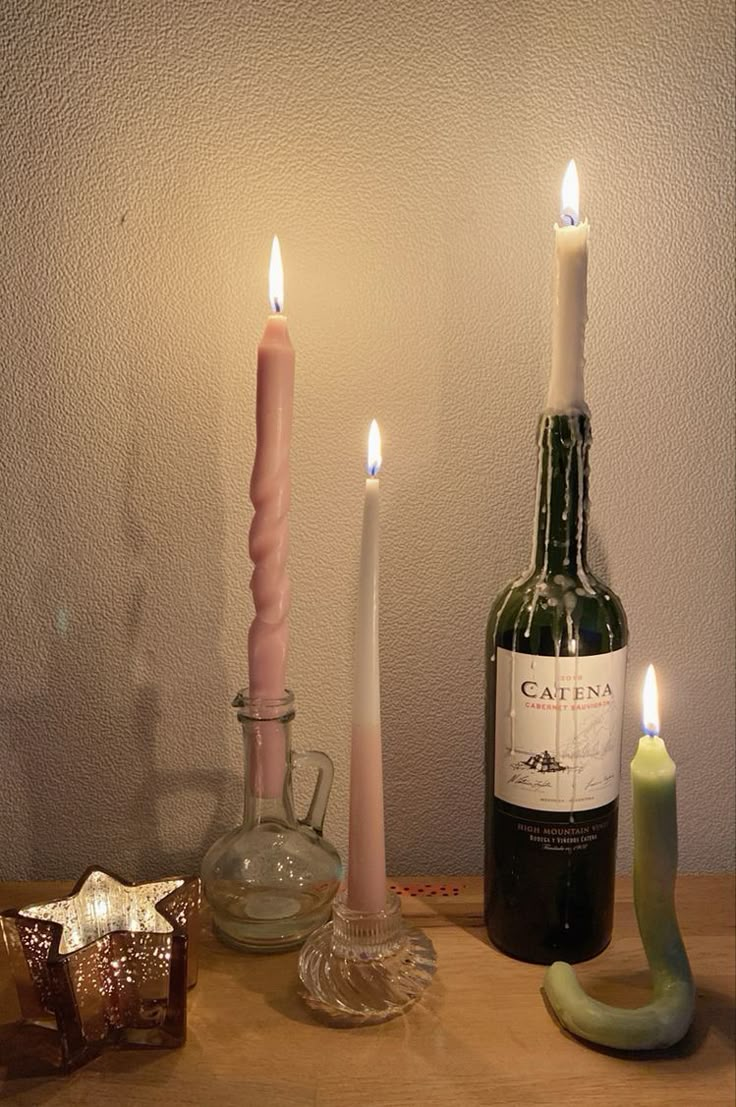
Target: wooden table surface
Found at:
481, 1035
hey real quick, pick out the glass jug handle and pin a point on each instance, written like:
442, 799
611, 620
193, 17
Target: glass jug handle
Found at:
315, 816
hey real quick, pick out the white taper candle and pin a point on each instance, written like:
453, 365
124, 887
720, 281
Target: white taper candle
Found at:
367, 849
570, 307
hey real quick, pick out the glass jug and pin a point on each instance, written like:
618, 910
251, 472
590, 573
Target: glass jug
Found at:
271, 881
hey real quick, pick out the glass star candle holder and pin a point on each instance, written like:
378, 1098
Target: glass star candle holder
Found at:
365, 967
109, 964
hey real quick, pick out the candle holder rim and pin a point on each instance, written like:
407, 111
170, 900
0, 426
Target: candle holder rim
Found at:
391, 907
56, 929
265, 708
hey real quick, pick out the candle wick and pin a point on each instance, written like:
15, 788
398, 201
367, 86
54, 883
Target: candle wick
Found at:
568, 219
276, 306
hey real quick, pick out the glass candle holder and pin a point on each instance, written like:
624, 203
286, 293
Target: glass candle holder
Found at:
109, 964
271, 881
365, 967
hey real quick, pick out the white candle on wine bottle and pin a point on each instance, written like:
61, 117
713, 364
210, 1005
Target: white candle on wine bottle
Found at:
570, 308
367, 848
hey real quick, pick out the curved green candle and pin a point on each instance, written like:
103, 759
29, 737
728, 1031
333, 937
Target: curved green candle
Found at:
666, 1019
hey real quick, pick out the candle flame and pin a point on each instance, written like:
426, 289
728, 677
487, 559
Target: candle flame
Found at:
276, 277
374, 450
650, 713
571, 196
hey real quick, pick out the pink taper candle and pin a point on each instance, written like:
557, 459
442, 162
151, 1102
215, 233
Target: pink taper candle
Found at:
367, 849
270, 492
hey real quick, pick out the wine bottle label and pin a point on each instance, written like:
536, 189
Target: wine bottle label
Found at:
558, 729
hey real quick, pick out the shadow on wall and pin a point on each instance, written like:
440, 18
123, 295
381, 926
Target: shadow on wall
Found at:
113, 708
432, 658
180, 802
89, 784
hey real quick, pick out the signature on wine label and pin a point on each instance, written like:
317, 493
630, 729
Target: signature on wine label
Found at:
526, 780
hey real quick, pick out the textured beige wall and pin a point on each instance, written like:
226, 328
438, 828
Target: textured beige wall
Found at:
409, 154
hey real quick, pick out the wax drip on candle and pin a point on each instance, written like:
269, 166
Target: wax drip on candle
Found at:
548, 516
575, 733
583, 505
558, 640
566, 512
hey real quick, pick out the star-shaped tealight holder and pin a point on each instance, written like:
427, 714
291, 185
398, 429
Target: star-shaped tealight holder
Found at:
109, 964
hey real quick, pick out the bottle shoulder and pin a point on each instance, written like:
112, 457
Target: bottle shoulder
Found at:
547, 612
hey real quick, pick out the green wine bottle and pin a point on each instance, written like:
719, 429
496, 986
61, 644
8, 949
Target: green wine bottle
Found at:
556, 661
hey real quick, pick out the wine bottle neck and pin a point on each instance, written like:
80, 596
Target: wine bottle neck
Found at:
562, 495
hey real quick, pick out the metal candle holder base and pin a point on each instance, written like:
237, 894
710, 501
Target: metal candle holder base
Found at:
109, 964
363, 968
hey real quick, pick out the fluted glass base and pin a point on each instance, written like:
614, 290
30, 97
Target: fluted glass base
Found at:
362, 968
